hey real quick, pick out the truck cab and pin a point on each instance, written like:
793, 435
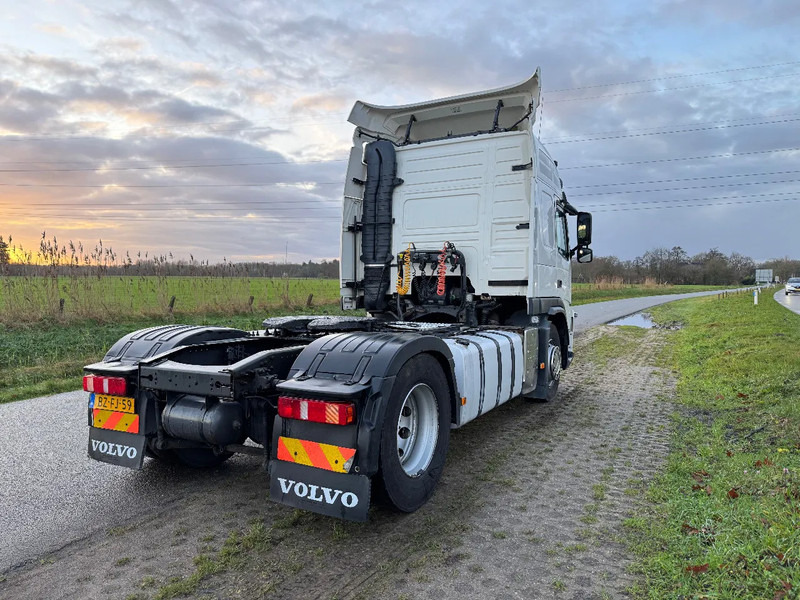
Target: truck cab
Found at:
464, 178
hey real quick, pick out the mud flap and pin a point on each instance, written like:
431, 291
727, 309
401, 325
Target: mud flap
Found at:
333, 494
117, 447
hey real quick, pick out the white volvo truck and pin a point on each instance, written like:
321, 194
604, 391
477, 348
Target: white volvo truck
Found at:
455, 242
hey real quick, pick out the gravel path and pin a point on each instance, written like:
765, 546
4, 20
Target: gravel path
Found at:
554, 531
531, 505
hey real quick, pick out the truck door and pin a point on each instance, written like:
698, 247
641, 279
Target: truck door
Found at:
562, 266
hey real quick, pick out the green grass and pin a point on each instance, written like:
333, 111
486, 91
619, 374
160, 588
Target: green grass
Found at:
47, 358
724, 517
43, 351
108, 298
586, 293
256, 538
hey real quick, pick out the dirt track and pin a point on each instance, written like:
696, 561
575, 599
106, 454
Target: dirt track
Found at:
531, 505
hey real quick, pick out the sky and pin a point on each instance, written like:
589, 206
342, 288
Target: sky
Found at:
218, 130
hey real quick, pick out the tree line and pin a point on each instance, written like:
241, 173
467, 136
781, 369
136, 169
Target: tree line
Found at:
675, 266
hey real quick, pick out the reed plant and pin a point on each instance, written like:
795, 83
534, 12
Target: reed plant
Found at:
70, 282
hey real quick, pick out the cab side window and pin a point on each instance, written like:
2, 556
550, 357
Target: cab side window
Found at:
561, 233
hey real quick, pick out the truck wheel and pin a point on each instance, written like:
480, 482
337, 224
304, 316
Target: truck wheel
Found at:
415, 434
554, 363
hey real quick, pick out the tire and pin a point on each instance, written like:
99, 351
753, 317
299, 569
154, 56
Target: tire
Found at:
415, 434
554, 363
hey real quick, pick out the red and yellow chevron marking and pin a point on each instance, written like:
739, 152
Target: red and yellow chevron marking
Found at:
118, 421
315, 454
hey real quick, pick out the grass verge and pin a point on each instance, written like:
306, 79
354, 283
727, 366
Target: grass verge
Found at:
723, 519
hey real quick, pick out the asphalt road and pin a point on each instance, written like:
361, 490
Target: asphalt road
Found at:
792, 301
590, 315
52, 494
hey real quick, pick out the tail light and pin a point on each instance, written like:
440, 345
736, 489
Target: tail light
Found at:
114, 386
318, 411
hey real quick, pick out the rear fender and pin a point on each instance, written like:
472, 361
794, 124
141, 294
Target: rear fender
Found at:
360, 366
146, 343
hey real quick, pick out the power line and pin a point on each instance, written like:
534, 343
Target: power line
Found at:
47, 137
602, 204
174, 160
694, 205
616, 137
332, 160
171, 204
320, 219
103, 168
173, 185
684, 179
198, 218
697, 187
568, 137
195, 210
686, 87
155, 167
587, 87
660, 160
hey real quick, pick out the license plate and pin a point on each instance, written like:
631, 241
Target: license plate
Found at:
115, 403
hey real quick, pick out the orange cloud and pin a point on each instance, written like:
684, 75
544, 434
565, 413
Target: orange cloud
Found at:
320, 102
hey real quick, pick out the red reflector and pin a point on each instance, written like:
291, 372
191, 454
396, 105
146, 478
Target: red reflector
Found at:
113, 386
318, 411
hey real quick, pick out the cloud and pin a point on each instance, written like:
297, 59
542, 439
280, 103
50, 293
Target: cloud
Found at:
205, 91
52, 29
321, 102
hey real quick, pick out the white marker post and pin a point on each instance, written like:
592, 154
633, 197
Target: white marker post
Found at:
755, 297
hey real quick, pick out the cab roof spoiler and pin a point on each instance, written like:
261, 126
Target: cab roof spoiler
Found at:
491, 111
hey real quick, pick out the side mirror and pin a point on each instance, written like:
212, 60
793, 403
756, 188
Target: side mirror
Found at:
584, 255
584, 230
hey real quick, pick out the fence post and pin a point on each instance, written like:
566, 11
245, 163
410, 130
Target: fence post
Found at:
171, 304
61, 306
310, 299
250, 303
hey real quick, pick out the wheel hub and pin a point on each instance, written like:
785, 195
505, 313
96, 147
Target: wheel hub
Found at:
417, 430
555, 362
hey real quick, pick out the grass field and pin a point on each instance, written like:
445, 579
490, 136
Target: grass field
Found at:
36, 360
725, 516
28, 299
43, 350
33, 299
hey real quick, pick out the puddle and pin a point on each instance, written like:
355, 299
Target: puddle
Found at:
642, 320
